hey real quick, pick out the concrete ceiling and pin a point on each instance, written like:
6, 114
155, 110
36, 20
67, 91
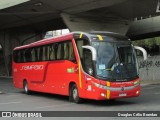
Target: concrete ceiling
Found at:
45, 14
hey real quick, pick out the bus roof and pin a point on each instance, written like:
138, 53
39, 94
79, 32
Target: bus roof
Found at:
47, 41
70, 36
110, 34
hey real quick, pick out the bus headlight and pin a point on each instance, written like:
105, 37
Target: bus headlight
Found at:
137, 83
103, 95
98, 85
137, 92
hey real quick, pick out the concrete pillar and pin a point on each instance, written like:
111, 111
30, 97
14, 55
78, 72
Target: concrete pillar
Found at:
79, 23
145, 28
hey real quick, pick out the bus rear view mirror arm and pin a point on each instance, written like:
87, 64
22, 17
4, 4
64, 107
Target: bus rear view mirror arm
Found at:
93, 50
143, 51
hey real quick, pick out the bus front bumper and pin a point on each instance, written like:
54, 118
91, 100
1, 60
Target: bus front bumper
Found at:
109, 94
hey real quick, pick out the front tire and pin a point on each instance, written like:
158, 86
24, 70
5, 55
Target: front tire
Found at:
74, 95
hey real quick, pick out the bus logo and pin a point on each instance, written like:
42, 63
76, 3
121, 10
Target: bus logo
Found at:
122, 88
32, 67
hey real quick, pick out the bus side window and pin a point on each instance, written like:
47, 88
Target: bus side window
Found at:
80, 43
66, 51
60, 51
80, 49
71, 53
33, 57
47, 52
28, 55
36, 54
40, 53
21, 55
24, 59
52, 52
43, 53
18, 56
15, 56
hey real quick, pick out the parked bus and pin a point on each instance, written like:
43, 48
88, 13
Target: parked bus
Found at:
95, 65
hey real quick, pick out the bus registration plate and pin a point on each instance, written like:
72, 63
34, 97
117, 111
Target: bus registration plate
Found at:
122, 94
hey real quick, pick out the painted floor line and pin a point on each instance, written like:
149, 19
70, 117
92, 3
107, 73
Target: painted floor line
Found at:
157, 93
10, 103
151, 87
10, 95
6, 84
55, 106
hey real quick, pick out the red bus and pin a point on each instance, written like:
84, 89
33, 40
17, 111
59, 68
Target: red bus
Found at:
95, 65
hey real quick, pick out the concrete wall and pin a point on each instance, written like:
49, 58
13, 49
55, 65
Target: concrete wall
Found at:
9, 39
150, 69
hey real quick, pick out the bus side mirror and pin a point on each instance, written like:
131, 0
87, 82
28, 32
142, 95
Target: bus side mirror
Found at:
143, 51
93, 50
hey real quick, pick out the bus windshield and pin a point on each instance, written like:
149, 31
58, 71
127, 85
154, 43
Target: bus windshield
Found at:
115, 61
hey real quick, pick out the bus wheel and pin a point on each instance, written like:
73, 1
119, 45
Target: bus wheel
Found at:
25, 86
74, 95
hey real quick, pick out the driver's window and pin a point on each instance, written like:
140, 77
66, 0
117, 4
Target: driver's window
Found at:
87, 62
80, 43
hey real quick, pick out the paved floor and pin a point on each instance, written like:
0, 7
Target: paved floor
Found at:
13, 99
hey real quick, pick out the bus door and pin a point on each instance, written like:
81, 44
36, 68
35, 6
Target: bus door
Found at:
88, 66
85, 63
